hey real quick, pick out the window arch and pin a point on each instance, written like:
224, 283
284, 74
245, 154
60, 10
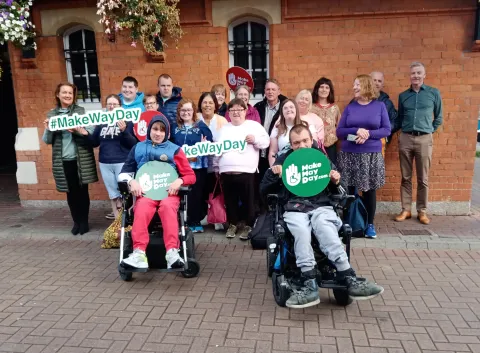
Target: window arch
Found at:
248, 42
81, 60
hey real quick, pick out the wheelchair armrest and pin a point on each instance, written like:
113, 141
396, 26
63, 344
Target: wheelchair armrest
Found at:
184, 190
123, 187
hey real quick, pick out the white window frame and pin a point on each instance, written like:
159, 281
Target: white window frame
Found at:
253, 98
95, 104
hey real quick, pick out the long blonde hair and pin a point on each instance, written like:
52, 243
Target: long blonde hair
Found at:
367, 87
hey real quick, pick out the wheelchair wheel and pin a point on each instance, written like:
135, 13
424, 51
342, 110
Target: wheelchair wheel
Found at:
190, 244
124, 275
193, 269
281, 292
271, 257
342, 297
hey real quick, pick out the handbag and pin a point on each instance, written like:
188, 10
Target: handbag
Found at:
216, 206
111, 236
357, 217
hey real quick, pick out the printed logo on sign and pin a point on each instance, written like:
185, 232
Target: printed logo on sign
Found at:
231, 79
306, 172
142, 128
155, 177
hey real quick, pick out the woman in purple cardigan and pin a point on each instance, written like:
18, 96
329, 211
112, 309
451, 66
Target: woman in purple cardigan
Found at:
363, 124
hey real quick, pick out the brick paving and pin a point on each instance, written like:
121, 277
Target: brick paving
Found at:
66, 296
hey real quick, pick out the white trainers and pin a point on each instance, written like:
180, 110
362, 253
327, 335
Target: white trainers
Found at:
204, 221
173, 259
136, 259
219, 226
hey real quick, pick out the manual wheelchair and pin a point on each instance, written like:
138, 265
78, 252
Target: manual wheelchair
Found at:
281, 261
156, 248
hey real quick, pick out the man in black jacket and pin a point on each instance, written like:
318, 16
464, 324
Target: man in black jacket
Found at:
268, 109
379, 81
302, 214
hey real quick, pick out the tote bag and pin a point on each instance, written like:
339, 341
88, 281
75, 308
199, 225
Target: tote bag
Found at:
216, 206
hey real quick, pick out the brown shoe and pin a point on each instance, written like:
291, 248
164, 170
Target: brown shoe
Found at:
403, 216
422, 217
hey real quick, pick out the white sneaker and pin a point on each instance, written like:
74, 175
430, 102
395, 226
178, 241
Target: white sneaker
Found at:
136, 259
173, 259
204, 221
219, 226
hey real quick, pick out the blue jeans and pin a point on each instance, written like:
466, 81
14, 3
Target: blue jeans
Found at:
110, 174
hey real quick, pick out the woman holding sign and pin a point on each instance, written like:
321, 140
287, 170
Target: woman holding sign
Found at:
237, 167
73, 161
363, 124
190, 130
115, 143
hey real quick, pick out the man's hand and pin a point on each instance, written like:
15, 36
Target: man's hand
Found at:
335, 177
364, 134
175, 186
135, 188
250, 139
277, 169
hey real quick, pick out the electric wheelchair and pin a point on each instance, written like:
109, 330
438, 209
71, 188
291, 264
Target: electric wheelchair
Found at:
281, 261
156, 248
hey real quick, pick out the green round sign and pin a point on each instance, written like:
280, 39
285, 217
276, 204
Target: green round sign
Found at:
155, 177
306, 172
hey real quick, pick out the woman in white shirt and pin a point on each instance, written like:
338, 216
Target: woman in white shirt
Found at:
208, 106
279, 138
237, 168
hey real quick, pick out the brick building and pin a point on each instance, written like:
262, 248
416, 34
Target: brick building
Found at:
295, 41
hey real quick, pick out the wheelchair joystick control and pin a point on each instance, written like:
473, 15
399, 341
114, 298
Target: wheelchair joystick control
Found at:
272, 247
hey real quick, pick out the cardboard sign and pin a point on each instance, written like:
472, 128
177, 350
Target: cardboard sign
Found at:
208, 148
94, 117
140, 129
154, 178
236, 76
306, 172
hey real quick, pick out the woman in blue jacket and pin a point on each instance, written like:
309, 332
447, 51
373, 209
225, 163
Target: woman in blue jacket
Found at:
115, 143
189, 130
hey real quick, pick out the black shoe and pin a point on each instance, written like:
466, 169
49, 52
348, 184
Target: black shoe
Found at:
83, 228
298, 281
358, 289
75, 229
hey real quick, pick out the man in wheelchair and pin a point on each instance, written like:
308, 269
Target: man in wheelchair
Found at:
302, 214
156, 148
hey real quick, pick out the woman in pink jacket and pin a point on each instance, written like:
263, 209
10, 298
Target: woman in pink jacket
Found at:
243, 93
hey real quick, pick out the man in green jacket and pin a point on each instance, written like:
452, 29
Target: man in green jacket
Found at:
420, 114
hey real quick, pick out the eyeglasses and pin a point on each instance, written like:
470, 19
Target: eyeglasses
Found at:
150, 103
185, 111
236, 111
113, 105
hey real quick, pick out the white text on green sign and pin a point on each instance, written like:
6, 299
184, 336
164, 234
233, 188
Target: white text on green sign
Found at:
208, 148
95, 117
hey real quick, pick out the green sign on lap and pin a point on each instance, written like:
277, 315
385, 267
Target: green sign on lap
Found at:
155, 177
306, 172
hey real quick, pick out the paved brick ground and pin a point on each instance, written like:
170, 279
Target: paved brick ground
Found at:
65, 296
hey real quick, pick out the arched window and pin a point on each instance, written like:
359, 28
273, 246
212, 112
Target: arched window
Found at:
249, 49
82, 67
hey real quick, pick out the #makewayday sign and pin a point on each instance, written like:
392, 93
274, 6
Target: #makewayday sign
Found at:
154, 178
306, 172
237, 76
208, 148
140, 129
94, 117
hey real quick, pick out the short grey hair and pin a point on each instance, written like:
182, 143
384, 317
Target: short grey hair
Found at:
416, 64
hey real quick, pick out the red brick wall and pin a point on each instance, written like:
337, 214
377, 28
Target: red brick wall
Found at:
344, 47
336, 43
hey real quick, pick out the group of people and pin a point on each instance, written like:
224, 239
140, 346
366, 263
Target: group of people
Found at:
364, 128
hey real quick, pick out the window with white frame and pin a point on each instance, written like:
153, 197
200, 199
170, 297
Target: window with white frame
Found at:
82, 67
249, 49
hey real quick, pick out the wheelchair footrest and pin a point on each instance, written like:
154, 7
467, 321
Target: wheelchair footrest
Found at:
126, 268
330, 284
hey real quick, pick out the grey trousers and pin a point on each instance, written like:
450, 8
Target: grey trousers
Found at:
325, 224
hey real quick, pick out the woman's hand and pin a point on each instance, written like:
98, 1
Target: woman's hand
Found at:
122, 125
45, 123
360, 140
135, 188
364, 134
250, 139
175, 186
204, 139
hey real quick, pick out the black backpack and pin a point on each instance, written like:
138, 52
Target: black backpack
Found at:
262, 229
